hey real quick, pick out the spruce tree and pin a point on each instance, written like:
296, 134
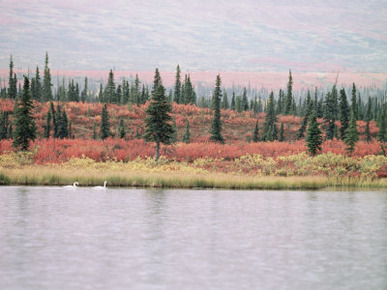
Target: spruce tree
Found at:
63, 131
233, 103
354, 107
84, 95
314, 136
46, 87
136, 94
187, 135
239, 104
101, 97
104, 131
330, 113
305, 120
351, 135
110, 95
121, 129
177, 89
12, 82
37, 86
245, 102
158, 127
25, 128
256, 133
289, 95
4, 125
270, 131
344, 114
225, 105
382, 134
216, 126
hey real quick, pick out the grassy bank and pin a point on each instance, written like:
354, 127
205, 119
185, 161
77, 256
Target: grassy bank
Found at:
54, 175
247, 172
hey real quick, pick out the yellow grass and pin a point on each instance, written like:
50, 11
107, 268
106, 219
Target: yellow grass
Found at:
60, 175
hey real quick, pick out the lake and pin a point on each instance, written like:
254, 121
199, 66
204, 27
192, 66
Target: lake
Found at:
55, 238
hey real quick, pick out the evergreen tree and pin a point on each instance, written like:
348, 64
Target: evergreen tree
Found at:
289, 95
25, 128
233, 103
225, 104
351, 135
101, 97
302, 129
177, 89
104, 130
282, 133
143, 95
314, 136
36, 90
270, 130
54, 119
46, 88
135, 91
360, 115
119, 93
12, 82
216, 126
245, 102
330, 113
369, 114
110, 95
188, 93
239, 104
47, 127
382, 134
354, 107
63, 131
187, 135
4, 125
280, 103
84, 95
125, 92
121, 129
158, 126
256, 132
344, 114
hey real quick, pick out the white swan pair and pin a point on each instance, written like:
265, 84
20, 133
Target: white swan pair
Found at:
75, 184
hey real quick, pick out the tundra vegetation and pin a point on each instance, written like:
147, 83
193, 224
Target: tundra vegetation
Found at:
134, 134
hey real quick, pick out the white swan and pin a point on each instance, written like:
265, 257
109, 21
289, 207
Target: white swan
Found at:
101, 187
72, 186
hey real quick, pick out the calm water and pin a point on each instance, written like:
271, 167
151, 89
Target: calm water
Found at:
52, 238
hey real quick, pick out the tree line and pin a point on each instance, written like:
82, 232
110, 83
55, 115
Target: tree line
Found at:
334, 107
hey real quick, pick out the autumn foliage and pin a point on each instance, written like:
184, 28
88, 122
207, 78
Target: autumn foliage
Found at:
237, 128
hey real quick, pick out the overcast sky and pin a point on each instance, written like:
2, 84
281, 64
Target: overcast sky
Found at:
200, 35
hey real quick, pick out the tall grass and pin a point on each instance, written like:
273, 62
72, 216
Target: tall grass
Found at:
48, 175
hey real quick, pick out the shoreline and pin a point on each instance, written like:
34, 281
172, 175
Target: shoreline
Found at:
41, 175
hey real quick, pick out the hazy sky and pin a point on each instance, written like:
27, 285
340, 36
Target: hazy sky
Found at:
214, 35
